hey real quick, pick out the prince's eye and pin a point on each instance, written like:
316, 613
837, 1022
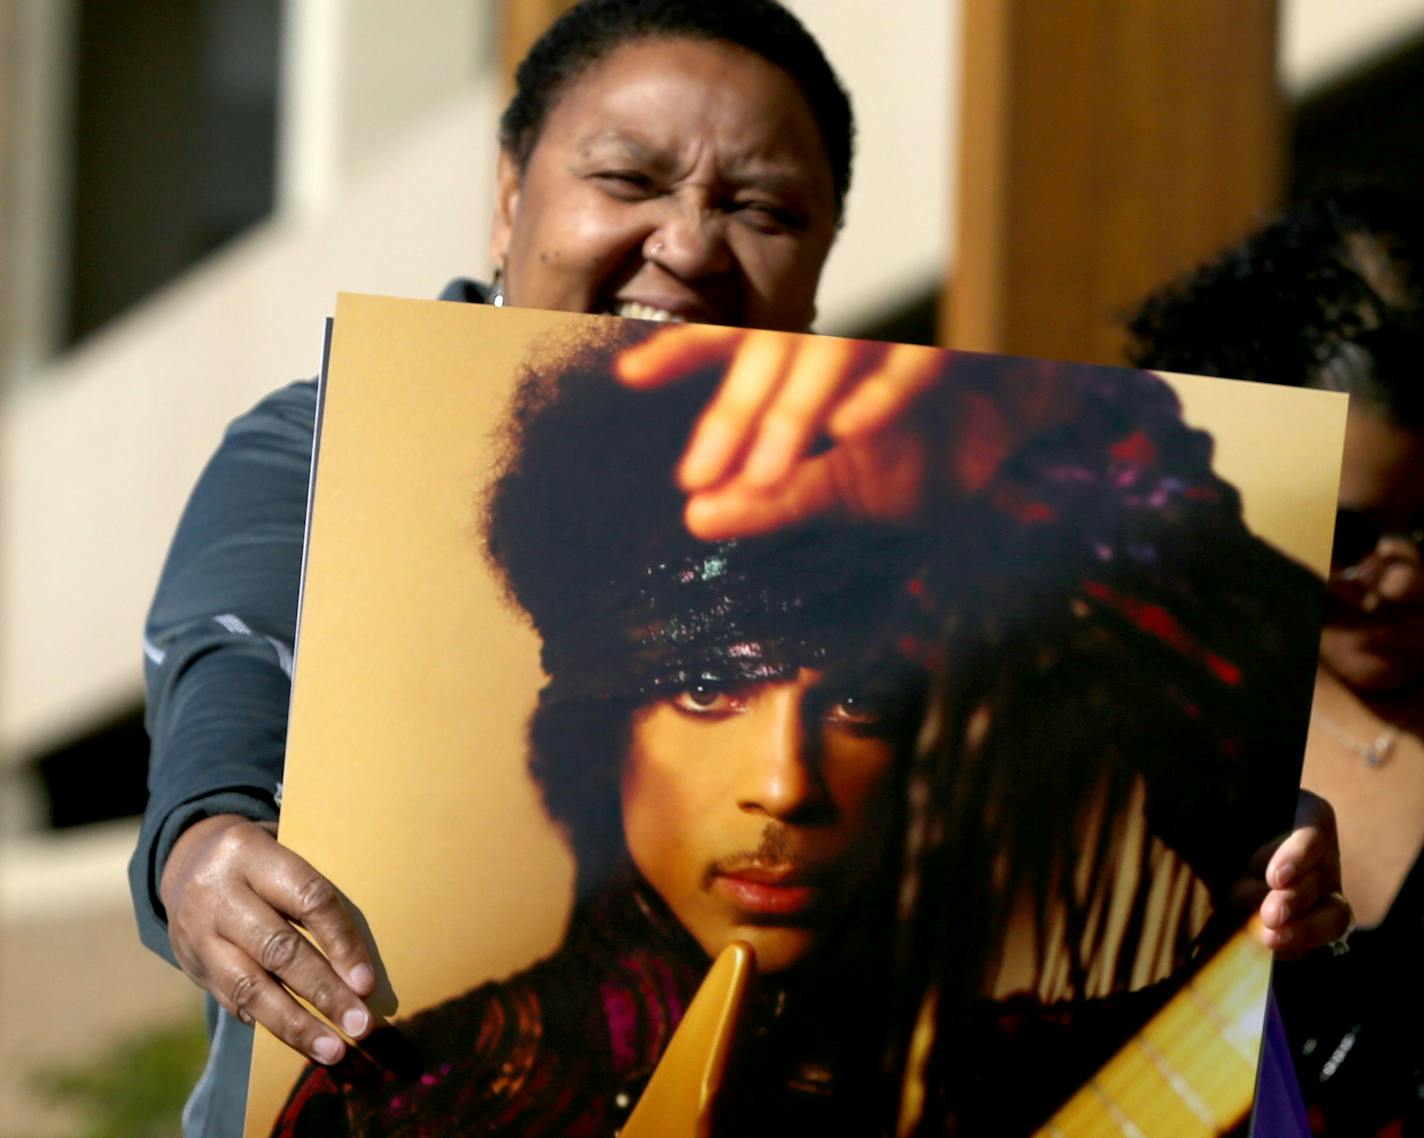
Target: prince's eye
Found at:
857, 710
706, 699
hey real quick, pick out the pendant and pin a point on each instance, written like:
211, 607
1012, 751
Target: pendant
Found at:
1378, 751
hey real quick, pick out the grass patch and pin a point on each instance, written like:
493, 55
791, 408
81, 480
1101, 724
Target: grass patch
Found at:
135, 1089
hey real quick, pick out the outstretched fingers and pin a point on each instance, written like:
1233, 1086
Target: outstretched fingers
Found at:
820, 370
886, 393
676, 351
739, 510
725, 430
753, 464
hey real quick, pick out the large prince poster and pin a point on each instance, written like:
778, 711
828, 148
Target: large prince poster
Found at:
963, 691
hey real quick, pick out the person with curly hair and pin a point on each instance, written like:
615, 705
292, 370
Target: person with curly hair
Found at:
1330, 296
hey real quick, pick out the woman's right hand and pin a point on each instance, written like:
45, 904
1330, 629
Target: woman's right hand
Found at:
233, 895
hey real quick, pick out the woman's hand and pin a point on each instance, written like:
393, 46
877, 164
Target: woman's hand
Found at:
1303, 908
757, 460
232, 894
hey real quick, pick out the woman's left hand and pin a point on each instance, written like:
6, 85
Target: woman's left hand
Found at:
755, 460
1303, 908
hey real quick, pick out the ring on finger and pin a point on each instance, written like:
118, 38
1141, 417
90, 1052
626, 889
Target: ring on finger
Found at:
1341, 944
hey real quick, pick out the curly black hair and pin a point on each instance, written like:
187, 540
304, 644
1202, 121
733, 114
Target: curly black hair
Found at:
593, 29
575, 444
1108, 627
1326, 296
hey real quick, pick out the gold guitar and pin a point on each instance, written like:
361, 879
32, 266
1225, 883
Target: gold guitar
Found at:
1190, 1073
679, 1098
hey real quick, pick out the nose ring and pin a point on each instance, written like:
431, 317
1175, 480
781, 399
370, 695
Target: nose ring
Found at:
655, 250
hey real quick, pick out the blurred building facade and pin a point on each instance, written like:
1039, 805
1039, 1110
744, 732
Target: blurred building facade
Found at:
185, 185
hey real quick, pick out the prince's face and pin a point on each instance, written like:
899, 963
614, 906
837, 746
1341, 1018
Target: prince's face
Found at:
757, 812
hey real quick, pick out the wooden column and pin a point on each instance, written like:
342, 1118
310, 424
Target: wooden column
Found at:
524, 22
1106, 145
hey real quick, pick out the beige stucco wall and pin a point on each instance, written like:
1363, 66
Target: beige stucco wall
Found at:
98, 452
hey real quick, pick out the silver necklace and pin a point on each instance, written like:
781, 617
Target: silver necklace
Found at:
1375, 754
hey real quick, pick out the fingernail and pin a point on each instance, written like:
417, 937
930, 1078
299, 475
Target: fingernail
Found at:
362, 978
326, 1049
354, 1021
1284, 937
1285, 873
1283, 912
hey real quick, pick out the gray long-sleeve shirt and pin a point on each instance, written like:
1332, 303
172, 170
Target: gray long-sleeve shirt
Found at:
218, 643
217, 669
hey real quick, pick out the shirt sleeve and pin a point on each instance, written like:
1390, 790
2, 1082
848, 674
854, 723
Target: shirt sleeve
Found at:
219, 638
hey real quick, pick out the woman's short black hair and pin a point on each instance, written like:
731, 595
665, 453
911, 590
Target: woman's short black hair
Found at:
1327, 296
594, 28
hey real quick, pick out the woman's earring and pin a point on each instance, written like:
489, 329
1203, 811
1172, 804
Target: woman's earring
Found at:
496, 289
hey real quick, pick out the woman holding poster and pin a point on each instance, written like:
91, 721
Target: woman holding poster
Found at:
1330, 296
665, 159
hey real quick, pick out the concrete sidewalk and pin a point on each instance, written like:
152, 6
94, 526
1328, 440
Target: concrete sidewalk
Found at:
74, 979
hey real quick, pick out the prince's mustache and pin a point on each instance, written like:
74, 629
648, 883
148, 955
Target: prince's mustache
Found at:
777, 851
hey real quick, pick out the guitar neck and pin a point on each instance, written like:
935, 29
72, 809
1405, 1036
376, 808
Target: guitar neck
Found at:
1191, 1072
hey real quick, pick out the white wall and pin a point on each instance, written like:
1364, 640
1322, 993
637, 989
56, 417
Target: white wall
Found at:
900, 62
35, 219
98, 452
1324, 39
357, 73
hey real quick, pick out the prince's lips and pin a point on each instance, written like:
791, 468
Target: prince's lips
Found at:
769, 893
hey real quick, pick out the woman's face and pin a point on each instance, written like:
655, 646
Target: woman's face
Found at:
1374, 629
674, 179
